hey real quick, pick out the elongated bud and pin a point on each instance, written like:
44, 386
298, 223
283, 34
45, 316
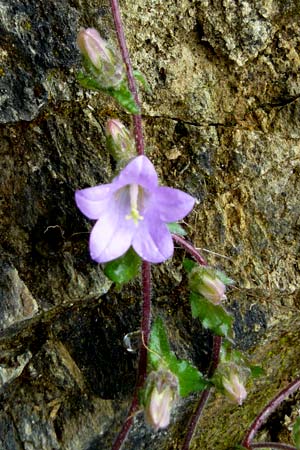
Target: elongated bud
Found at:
230, 379
120, 142
205, 281
100, 58
93, 47
160, 395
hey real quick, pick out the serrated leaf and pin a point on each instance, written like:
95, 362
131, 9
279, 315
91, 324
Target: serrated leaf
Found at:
212, 317
296, 433
141, 78
175, 228
189, 378
159, 345
123, 269
188, 265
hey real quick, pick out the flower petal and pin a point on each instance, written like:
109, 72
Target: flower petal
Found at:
172, 204
94, 201
152, 240
139, 171
111, 236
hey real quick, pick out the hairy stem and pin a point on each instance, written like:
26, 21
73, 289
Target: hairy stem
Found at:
204, 396
190, 249
273, 445
265, 413
137, 118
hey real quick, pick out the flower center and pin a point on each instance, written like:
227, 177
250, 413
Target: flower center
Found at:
136, 195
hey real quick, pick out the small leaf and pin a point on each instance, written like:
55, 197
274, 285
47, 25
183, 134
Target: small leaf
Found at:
159, 345
190, 379
188, 264
224, 278
89, 82
212, 317
125, 98
175, 228
296, 433
123, 269
140, 77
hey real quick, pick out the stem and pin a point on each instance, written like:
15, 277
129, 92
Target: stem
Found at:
265, 413
190, 249
195, 418
142, 366
137, 118
204, 396
273, 445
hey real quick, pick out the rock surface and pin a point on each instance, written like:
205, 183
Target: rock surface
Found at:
222, 123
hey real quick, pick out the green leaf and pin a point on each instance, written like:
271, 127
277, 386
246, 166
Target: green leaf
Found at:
160, 354
223, 277
212, 317
190, 379
125, 98
296, 433
175, 228
122, 94
159, 345
89, 82
123, 269
188, 265
140, 77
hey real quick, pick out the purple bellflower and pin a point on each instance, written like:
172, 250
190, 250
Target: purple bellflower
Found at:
133, 210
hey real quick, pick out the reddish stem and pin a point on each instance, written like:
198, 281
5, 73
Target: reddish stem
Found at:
137, 118
204, 396
190, 249
265, 413
142, 367
146, 267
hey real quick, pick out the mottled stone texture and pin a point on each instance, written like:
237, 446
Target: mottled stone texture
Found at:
222, 123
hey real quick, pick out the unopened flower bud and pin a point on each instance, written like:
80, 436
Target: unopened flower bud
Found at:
230, 379
205, 281
161, 393
100, 58
119, 141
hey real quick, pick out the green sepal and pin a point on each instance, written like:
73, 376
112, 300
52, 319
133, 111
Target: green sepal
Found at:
189, 378
212, 317
188, 265
176, 228
141, 79
123, 269
296, 433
